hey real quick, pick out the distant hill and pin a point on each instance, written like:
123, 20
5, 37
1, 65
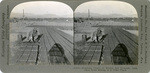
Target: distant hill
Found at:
29, 15
95, 15
77, 14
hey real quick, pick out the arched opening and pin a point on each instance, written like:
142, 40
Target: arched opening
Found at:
35, 27
99, 26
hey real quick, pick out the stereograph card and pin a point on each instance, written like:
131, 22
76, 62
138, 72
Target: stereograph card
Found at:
74, 36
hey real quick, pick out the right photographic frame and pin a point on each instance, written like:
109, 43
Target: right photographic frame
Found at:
105, 33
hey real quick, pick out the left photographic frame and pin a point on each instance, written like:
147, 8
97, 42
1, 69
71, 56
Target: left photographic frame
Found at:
40, 34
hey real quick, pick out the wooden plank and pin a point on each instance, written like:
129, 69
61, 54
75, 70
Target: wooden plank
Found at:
25, 58
66, 39
131, 36
51, 37
48, 41
20, 54
62, 42
113, 40
110, 43
33, 55
29, 54
127, 42
44, 45
95, 59
131, 50
107, 51
65, 42
89, 55
96, 56
69, 37
81, 56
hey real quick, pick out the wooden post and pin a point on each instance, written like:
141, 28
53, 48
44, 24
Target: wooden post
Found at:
37, 57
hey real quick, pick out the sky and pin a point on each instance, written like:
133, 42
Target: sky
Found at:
107, 8
62, 10
44, 7
0, 0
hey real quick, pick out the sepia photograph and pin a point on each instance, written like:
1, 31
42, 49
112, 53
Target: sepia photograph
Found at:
41, 33
74, 36
105, 33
